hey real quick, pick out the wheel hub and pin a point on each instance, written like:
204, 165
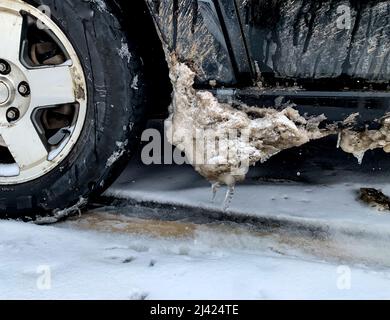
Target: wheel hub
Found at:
4, 93
15, 95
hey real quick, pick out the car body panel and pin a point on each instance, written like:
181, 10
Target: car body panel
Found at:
283, 48
193, 30
319, 39
225, 39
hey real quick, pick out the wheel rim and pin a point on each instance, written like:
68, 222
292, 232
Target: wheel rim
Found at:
42, 94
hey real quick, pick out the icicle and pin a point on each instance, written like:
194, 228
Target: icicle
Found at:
360, 157
215, 187
229, 197
339, 138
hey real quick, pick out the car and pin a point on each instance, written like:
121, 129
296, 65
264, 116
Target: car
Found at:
78, 80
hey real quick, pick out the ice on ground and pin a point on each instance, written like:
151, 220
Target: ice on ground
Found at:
67, 262
331, 205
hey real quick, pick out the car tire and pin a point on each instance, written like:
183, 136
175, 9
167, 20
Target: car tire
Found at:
114, 115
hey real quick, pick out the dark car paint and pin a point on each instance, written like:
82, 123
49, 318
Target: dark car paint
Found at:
194, 31
293, 48
289, 40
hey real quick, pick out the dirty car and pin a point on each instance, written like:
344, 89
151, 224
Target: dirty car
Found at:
247, 78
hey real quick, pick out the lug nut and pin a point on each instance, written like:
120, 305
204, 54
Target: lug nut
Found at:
24, 89
12, 114
4, 67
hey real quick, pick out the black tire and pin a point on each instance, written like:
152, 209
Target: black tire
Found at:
114, 115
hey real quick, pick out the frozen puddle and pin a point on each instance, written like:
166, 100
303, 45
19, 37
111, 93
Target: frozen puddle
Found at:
106, 256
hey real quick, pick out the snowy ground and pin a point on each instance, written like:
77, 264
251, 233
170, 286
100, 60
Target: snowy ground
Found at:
285, 236
313, 190
104, 256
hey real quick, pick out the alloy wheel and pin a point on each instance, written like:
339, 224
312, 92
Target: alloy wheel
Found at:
43, 94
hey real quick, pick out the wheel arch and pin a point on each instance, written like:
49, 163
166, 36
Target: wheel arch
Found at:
137, 21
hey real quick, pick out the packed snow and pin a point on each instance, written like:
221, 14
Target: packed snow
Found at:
103, 256
222, 140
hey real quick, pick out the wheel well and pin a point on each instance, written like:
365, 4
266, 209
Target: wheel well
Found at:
138, 23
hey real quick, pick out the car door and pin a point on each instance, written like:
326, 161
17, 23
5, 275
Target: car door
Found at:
313, 40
